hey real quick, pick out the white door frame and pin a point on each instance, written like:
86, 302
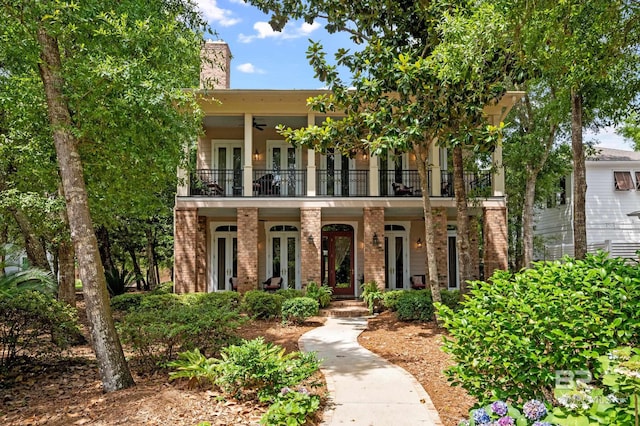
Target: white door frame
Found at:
337, 167
230, 145
284, 254
405, 252
282, 177
229, 236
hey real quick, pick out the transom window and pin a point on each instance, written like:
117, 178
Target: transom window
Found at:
283, 228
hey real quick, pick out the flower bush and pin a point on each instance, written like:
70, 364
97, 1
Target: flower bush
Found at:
499, 413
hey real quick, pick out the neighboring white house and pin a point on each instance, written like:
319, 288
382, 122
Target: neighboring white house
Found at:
612, 208
15, 258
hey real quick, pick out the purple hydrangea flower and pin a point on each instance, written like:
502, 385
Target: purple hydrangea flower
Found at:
481, 417
534, 410
506, 421
499, 408
285, 391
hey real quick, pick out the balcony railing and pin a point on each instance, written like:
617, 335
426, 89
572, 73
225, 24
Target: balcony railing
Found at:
280, 183
342, 183
401, 183
217, 183
477, 184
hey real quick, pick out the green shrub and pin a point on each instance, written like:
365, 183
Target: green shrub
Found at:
163, 288
216, 300
249, 370
372, 296
34, 324
261, 304
292, 407
117, 281
415, 305
298, 309
165, 324
512, 333
289, 293
320, 293
127, 302
390, 299
451, 298
31, 279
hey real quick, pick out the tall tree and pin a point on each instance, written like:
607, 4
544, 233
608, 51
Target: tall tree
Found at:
405, 82
111, 75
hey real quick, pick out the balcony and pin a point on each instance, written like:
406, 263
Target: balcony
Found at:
279, 183
477, 184
342, 183
217, 183
401, 183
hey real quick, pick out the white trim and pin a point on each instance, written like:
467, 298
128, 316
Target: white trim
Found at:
269, 255
406, 261
453, 233
212, 269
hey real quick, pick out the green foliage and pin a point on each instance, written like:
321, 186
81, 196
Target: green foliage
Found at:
291, 408
34, 324
515, 331
372, 296
298, 309
164, 288
249, 370
415, 305
31, 279
126, 302
261, 304
164, 324
451, 298
117, 281
320, 293
390, 299
289, 293
214, 300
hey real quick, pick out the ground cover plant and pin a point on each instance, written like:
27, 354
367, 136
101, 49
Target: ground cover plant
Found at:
513, 333
298, 309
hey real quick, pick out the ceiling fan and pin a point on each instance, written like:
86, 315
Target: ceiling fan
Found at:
259, 126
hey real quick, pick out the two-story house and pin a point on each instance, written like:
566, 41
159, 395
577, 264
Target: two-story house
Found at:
257, 207
612, 208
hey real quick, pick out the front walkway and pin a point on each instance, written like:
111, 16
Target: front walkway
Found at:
365, 390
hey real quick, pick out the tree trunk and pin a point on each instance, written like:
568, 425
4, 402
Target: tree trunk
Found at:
579, 178
422, 154
104, 245
462, 219
136, 267
67, 281
36, 252
152, 277
4, 239
112, 365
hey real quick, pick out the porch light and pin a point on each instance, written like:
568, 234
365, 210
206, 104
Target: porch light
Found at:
419, 243
364, 155
310, 239
376, 241
256, 155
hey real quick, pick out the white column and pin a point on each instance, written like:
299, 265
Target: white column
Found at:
498, 175
184, 182
311, 162
247, 175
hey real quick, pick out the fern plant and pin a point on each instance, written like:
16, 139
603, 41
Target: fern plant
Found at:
372, 296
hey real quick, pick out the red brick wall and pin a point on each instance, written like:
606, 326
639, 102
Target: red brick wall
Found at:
201, 257
247, 249
185, 231
440, 240
374, 261
216, 71
311, 221
495, 240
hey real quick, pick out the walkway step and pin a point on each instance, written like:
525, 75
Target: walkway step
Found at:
345, 309
365, 389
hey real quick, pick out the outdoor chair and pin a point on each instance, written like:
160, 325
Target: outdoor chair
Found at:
214, 189
402, 190
272, 284
417, 282
267, 185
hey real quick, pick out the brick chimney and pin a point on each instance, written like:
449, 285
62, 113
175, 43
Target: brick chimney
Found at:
216, 65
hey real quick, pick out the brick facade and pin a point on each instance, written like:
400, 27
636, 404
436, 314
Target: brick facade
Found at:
247, 249
185, 250
215, 72
374, 259
311, 221
440, 241
495, 240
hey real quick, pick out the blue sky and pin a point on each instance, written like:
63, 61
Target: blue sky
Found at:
264, 59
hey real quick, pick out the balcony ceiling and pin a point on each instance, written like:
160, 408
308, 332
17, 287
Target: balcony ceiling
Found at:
237, 121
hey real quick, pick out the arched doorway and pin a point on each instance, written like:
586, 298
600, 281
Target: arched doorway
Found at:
338, 259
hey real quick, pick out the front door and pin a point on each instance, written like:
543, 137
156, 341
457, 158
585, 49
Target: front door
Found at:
225, 258
397, 265
283, 257
227, 165
338, 259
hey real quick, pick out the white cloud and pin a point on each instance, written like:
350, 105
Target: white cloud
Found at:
213, 13
264, 30
249, 68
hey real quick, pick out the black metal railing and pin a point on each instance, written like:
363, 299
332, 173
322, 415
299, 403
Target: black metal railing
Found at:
401, 183
477, 184
279, 183
217, 182
342, 183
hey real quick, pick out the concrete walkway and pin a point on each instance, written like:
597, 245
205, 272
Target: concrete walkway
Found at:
365, 390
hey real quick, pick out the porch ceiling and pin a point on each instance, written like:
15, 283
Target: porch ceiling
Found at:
237, 121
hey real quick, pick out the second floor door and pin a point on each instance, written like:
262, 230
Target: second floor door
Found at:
227, 165
285, 161
393, 167
335, 179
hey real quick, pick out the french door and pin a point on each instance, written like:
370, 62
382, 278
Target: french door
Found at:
227, 165
452, 261
397, 260
338, 260
283, 256
392, 167
336, 180
284, 160
225, 259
